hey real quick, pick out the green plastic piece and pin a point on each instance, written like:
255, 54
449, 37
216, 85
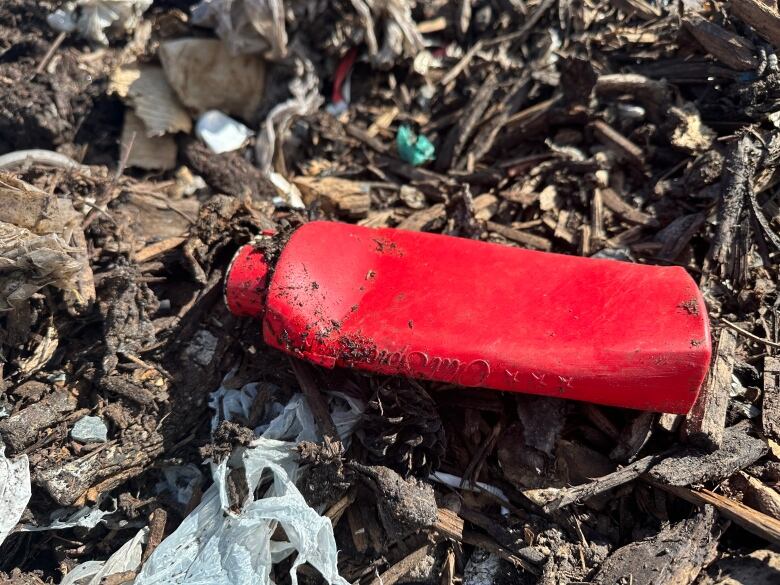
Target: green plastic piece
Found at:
414, 149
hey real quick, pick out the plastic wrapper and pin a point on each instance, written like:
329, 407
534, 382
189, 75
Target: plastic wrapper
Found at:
305, 101
85, 517
126, 558
246, 26
399, 31
91, 18
15, 491
217, 544
221, 133
180, 481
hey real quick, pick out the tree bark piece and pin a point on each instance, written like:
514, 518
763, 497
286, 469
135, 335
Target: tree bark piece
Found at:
770, 415
737, 451
21, 429
675, 555
761, 16
727, 47
705, 423
460, 133
739, 170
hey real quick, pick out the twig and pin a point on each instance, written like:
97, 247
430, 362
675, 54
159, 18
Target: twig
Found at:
317, 404
528, 25
751, 520
461, 65
39, 156
752, 336
617, 478
49, 54
402, 567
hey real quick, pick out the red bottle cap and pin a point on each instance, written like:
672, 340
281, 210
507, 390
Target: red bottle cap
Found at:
246, 282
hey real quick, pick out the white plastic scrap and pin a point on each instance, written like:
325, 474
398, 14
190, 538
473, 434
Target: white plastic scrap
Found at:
84, 517
92, 17
290, 194
217, 546
220, 132
127, 558
220, 546
305, 100
181, 481
457, 482
289, 422
15, 491
401, 37
482, 568
246, 26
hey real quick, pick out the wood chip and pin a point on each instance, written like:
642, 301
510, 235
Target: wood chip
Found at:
402, 567
761, 16
751, 520
689, 466
617, 142
153, 250
449, 524
727, 47
705, 423
425, 219
770, 414
676, 555
616, 204
529, 240
316, 401
350, 199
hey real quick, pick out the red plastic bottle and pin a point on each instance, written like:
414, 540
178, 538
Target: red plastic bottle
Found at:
479, 314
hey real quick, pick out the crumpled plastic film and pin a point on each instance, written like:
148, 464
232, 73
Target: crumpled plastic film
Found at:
305, 101
218, 546
84, 517
126, 558
229, 543
246, 26
91, 17
400, 34
15, 491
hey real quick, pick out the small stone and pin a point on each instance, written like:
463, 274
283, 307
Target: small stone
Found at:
90, 429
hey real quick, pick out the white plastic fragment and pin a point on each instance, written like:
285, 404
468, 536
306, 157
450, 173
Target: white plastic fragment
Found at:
225, 543
180, 481
91, 18
90, 429
126, 558
457, 482
15, 491
246, 26
220, 132
305, 100
482, 568
290, 194
84, 517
